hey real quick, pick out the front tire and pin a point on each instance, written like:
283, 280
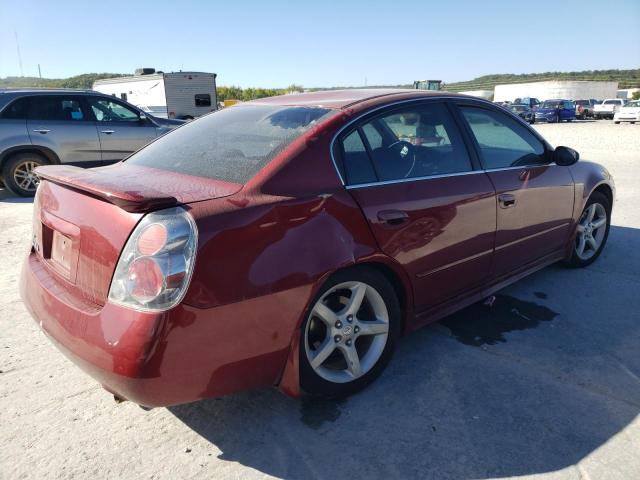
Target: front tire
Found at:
349, 333
592, 231
18, 173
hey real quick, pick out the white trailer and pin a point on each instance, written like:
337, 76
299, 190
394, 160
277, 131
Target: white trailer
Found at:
182, 95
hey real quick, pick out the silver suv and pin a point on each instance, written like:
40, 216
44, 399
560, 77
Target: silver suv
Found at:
75, 127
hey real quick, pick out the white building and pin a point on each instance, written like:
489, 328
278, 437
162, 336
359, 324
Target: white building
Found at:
486, 94
627, 93
564, 89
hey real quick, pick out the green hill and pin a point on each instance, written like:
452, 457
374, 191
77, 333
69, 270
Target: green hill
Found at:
625, 79
79, 81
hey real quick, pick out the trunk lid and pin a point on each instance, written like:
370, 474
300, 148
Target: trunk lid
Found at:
83, 218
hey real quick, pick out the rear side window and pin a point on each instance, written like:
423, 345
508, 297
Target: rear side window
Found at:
232, 144
358, 167
16, 110
503, 141
54, 107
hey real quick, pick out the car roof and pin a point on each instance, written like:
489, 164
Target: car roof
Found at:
45, 90
341, 99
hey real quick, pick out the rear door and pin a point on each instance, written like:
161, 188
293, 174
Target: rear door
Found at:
63, 124
535, 196
120, 128
428, 207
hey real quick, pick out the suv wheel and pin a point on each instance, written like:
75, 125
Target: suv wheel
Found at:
18, 173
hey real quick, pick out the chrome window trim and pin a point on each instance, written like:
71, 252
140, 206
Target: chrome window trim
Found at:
404, 180
413, 179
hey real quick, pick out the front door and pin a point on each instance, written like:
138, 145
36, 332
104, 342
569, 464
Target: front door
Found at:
62, 124
120, 128
428, 208
535, 196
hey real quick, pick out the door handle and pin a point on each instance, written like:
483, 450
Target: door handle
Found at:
393, 217
506, 200
108, 132
42, 130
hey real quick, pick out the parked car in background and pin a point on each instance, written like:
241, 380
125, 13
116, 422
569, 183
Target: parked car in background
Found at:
628, 113
555, 111
584, 108
354, 226
524, 112
608, 108
75, 127
530, 101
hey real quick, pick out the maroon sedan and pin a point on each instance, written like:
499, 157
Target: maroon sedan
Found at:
290, 241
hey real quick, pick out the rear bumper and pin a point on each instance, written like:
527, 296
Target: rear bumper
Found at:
179, 356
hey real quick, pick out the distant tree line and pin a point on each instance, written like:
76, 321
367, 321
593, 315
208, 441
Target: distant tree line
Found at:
84, 81
245, 94
625, 79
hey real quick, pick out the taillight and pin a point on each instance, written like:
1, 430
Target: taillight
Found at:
155, 267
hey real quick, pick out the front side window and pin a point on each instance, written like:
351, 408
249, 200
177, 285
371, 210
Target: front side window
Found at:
106, 110
414, 142
54, 107
232, 144
503, 141
203, 100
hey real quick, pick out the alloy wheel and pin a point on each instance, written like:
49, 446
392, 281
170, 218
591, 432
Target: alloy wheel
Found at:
347, 332
25, 177
592, 228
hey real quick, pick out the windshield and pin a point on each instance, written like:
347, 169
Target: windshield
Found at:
635, 104
582, 102
518, 108
232, 144
612, 102
551, 104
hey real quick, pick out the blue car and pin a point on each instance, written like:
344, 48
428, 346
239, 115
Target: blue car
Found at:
555, 111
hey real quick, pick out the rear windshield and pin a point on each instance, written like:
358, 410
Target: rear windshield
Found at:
232, 144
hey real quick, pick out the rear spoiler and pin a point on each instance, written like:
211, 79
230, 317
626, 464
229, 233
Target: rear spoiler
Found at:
122, 190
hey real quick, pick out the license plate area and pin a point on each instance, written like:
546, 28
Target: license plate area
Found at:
61, 253
60, 245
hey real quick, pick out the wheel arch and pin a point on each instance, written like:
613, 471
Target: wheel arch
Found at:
289, 382
49, 154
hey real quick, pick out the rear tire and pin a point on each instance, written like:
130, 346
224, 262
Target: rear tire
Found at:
592, 231
18, 175
344, 346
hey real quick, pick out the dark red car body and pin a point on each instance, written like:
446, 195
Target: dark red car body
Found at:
266, 247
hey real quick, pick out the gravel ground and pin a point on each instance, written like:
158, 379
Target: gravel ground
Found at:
544, 385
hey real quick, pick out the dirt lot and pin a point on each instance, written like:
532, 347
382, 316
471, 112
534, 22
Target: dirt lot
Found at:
545, 385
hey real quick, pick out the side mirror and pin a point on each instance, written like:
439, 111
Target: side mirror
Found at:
143, 117
565, 156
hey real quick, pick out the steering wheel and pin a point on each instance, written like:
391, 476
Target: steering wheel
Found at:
404, 150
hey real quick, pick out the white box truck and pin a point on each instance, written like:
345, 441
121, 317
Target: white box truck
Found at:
183, 95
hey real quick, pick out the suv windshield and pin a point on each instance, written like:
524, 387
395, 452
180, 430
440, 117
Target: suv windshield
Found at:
551, 104
518, 108
232, 144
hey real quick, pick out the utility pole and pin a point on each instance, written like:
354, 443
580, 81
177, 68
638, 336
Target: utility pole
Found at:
19, 55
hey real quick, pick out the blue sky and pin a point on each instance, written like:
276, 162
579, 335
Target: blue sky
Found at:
320, 43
